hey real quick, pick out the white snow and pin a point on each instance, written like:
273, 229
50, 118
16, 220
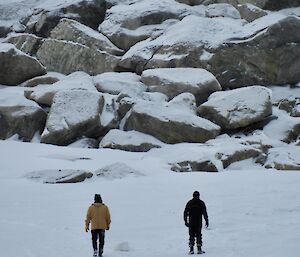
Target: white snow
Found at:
222, 10
253, 212
116, 136
191, 76
10, 98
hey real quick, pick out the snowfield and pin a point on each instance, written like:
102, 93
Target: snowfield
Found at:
252, 211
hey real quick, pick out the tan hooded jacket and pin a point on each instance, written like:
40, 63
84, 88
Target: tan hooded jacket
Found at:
99, 217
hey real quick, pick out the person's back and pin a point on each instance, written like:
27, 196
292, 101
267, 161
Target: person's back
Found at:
99, 217
194, 210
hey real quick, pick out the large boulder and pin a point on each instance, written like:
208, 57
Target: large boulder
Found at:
269, 57
170, 123
48, 79
222, 10
74, 31
251, 12
174, 81
19, 115
125, 25
285, 128
17, 67
284, 158
238, 54
237, 108
115, 83
73, 114
117, 170
46, 17
67, 57
44, 93
131, 141
27, 43
59, 176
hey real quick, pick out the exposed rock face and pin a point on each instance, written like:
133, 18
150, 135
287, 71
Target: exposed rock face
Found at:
131, 141
170, 124
43, 94
278, 5
174, 81
59, 176
73, 114
127, 25
27, 43
20, 116
67, 57
267, 58
16, 67
237, 108
88, 12
237, 54
71, 30
251, 12
48, 79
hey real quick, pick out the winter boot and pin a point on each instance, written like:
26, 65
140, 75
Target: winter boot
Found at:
100, 252
191, 250
199, 250
95, 253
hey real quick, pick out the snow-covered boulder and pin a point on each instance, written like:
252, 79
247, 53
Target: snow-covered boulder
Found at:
125, 25
169, 123
27, 43
85, 142
174, 81
116, 83
237, 108
285, 128
222, 10
47, 15
291, 106
74, 31
19, 115
73, 114
238, 54
215, 155
4, 29
284, 158
16, 66
117, 170
67, 57
131, 141
264, 58
58, 176
251, 12
43, 94
48, 79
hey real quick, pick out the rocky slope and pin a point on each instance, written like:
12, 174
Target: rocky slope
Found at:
134, 75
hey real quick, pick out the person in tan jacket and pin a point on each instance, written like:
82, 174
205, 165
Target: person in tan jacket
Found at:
99, 216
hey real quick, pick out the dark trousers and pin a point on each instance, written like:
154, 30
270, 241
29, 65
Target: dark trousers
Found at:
98, 234
195, 233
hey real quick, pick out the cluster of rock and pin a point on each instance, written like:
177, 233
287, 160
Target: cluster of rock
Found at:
137, 75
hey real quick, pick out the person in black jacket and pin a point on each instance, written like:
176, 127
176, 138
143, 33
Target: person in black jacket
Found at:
193, 213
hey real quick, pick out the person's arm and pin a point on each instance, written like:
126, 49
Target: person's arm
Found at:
205, 215
88, 219
108, 219
185, 215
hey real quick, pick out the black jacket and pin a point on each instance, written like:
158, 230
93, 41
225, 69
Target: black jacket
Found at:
193, 212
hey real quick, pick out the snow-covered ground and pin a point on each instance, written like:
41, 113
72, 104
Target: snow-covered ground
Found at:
253, 212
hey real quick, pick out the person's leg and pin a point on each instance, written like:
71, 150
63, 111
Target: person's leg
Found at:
199, 238
101, 240
94, 239
192, 238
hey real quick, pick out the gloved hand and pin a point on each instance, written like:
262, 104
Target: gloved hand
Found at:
108, 227
207, 224
86, 229
187, 224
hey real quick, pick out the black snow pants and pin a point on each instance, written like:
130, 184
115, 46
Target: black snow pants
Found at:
98, 234
195, 233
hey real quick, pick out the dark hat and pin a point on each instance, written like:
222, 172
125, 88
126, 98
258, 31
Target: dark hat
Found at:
196, 194
98, 198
